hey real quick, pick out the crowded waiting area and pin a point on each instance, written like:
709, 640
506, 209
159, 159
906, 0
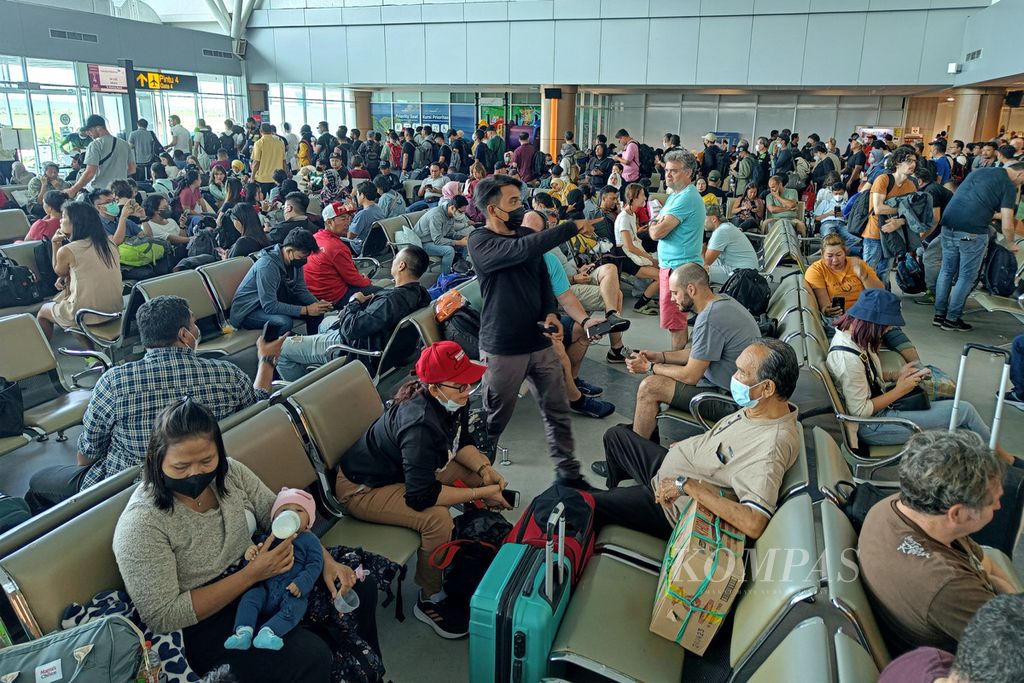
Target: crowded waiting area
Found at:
519, 341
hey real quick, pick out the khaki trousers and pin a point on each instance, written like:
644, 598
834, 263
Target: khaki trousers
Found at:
386, 505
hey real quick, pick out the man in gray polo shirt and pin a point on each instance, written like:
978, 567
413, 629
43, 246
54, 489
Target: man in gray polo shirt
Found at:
723, 329
107, 158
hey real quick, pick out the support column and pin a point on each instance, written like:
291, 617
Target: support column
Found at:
965, 114
557, 115
989, 112
364, 120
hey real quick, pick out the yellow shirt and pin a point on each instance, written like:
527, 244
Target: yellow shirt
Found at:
269, 151
844, 283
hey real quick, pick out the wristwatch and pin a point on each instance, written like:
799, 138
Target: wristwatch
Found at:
269, 360
680, 484
650, 368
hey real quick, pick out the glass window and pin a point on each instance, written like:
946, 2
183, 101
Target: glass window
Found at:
185, 107
463, 98
314, 92
436, 97
10, 69
335, 115
211, 84
380, 96
407, 96
234, 84
294, 111
50, 72
526, 98
213, 110
314, 114
292, 91
276, 110
14, 110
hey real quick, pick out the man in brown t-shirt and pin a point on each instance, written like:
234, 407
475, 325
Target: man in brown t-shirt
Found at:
735, 469
925, 576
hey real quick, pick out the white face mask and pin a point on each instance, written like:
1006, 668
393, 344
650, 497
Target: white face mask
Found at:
196, 337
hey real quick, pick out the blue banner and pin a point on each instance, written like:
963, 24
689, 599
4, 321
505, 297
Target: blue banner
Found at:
407, 115
464, 118
380, 115
436, 116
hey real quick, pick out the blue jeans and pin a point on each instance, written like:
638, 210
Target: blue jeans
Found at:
853, 246
446, 252
421, 205
268, 599
873, 257
1017, 365
936, 417
299, 352
258, 318
962, 254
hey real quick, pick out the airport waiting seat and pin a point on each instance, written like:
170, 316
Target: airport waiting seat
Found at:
1004, 304
189, 285
412, 218
472, 294
67, 510
237, 418
605, 628
12, 443
426, 324
44, 577
223, 279
314, 409
51, 404
14, 225
410, 188
801, 656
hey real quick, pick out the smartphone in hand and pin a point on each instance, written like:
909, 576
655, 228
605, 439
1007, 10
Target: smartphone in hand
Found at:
511, 497
271, 331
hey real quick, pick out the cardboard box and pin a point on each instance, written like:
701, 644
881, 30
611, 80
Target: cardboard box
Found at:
700, 576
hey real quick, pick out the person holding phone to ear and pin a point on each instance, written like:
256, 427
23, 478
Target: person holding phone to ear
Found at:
402, 471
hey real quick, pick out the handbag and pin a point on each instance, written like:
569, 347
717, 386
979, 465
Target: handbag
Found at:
107, 650
12, 409
917, 399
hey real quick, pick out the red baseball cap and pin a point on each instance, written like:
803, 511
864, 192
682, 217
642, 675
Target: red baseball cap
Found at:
445, 361
335, 209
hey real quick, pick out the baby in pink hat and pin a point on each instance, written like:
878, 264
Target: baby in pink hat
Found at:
281, 600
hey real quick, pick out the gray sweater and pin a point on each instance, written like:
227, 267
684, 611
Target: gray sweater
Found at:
272, 286
162, 556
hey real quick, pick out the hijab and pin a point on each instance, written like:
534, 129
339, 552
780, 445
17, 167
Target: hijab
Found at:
20, 175
334, 187
450, 189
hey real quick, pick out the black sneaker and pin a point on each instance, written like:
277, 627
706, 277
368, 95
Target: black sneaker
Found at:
641, 302
956, 325
588, 389
600, 468
615, 356
613, 323
938, 320
592, 407
446, 621
1013, 400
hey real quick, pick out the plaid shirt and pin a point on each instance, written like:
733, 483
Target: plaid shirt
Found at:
127, 399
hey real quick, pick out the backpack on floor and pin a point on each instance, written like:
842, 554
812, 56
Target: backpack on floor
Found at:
910, 273
749, 287
43, 254
579, 525
18, 284
464, 560
463, 328
999, 270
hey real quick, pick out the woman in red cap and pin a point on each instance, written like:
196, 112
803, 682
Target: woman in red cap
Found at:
402, 470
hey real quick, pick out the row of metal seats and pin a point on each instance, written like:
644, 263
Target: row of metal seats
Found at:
294, 439
14, 225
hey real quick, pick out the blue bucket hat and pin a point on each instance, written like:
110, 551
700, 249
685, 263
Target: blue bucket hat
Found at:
878, 306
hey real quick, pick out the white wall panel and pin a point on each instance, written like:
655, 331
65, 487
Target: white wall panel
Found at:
780, 67
657, 122
577, 9
837, 61
672, 51
293, 62
329, 54
944, 31
406, 53
532, 53
727, 8
260, 57
576, 50
624, 9
722, 57
486, 63
888, 57
674, 8
446, 54
364, 62
531, 9
770, 7
736, 120
624, 38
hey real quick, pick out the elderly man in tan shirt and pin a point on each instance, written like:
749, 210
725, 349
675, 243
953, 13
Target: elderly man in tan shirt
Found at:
744, 456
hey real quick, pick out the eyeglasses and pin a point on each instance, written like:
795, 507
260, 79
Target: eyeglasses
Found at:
461, 388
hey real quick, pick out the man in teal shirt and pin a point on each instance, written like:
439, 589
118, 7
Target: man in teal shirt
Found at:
679, 230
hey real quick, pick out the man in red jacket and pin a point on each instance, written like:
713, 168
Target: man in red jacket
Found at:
331, 274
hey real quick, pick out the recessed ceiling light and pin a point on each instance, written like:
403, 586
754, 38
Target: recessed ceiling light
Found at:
950, 99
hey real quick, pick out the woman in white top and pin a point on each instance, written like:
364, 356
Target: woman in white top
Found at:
635, 261
159, 221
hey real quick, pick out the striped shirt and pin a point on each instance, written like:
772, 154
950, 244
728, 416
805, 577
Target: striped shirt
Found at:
127, 399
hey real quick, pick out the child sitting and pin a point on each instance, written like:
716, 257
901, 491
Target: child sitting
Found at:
282, 598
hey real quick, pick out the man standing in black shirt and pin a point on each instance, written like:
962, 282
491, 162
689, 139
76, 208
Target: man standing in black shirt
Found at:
408, 154
519, 319
856, 160
325, 144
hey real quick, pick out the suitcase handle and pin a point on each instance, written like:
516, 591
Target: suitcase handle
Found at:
557, 516
989, 349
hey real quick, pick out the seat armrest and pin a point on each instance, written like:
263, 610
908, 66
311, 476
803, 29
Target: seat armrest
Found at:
706, 397
333, 351
369, 260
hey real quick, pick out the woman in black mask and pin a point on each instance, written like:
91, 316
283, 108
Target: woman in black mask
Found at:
179, 546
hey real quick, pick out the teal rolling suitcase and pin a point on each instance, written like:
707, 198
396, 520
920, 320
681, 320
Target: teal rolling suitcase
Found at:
516, 610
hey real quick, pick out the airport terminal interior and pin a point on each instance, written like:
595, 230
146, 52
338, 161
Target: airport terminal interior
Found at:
511, 340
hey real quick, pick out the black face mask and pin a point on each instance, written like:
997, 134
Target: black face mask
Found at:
192, 487
298, 263
515, 218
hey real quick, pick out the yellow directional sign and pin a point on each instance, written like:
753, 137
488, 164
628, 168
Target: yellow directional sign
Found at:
154, 80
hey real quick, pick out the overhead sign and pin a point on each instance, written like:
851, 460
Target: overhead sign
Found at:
104, 78
154, 80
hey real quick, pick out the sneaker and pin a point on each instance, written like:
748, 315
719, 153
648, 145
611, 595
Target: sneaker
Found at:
600, 468
440, 616
588, 389
578, 483
928, 299
612, 323
938, 320
1013, 400
592, 407
617, 356
641, 302
650, 308
956, 325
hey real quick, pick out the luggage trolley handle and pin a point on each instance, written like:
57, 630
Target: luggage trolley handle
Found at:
557, 516
1004, 379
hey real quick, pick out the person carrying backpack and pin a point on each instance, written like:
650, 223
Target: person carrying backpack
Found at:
371, 152
898, 182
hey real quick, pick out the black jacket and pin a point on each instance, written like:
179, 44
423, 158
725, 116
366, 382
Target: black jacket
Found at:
393, 182
369, 326
281, 230
408, 444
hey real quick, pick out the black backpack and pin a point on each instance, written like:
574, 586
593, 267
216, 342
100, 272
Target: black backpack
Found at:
539, 163
371, 152
202, 243
999, 270
646, 161
910, 274
859, 502
211, 143
18, 285
756, 177
748, 287
463, 328
226, 142
43, 254
860, 210
464, 560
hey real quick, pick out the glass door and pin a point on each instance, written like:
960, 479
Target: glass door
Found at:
55, 116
